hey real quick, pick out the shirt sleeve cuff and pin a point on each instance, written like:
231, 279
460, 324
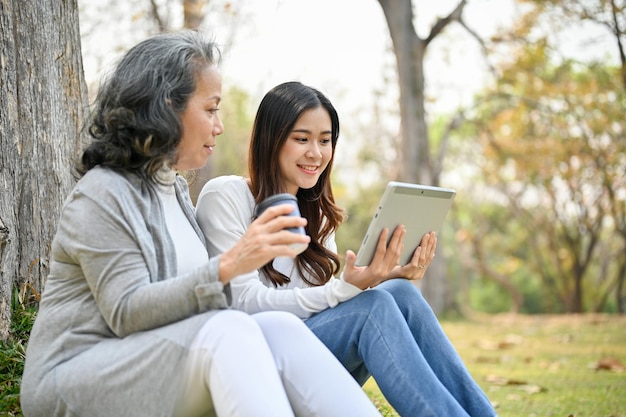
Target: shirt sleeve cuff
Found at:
213, 295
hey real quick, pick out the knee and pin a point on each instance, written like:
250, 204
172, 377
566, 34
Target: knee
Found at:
229, 327
404, 292
400, 287
377, 301
288, 323
233, 319
399, 295
378, 310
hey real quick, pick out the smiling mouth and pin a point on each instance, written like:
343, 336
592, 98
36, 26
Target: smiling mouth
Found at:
310, 168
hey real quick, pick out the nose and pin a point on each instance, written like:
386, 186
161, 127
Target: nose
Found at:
314, 151
218, 128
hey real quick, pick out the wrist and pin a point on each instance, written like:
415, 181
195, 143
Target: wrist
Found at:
226, 269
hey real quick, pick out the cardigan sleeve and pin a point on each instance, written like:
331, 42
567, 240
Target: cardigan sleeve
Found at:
224, 211
105, 235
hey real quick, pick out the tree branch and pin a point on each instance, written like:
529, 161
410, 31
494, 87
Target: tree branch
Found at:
502, 280
445, 21
620, 46
157, 16
481, 43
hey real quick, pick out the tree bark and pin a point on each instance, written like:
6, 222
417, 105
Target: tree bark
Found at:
416, 164
5, 287
43, 104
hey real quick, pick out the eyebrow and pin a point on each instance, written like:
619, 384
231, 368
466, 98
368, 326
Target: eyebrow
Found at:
325, 132
216, 98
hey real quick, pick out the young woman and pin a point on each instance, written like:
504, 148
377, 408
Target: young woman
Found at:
372, 318
133, 319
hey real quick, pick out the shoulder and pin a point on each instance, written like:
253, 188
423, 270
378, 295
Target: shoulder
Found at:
225, 197
103, 195
228, 182
104, 182
98, 174
232, 187
108, 189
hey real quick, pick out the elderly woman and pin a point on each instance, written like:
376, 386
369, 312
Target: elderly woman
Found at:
133, 320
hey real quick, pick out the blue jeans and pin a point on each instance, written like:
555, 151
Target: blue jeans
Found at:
392, 333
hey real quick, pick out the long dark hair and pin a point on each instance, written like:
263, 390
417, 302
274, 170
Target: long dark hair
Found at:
136, 123
277, 114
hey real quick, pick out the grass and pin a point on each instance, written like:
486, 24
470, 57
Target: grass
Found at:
12, 355
542, 366
529, 366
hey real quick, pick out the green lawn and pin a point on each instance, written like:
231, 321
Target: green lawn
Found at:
542, 366
529, 366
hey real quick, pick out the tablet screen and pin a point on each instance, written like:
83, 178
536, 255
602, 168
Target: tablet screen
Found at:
421, 208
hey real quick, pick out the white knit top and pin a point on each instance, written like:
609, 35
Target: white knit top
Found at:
224, 210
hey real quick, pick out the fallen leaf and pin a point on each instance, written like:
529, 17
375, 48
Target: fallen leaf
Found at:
508, 342
487, 359
534, 389
610, 364
500, 380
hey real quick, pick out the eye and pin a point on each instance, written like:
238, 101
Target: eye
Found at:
300, 139
214, 110
325, 141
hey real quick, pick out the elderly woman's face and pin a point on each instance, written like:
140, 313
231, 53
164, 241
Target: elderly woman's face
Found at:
201, 121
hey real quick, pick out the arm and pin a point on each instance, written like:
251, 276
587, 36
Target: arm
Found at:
224, 212
115, 249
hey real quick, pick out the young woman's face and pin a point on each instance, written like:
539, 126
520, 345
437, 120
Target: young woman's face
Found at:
201, 121
307, 150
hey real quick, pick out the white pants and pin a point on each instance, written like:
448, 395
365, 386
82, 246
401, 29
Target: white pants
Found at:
266, 364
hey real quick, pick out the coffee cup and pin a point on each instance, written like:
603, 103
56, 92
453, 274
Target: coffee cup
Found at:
284, 198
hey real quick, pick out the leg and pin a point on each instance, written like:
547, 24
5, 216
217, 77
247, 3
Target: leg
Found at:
437, 349
316, 383
370, 329
231, 371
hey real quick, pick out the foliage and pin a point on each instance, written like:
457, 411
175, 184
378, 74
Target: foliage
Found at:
359, 209
552, 160
12, 353
233, 143
607, 15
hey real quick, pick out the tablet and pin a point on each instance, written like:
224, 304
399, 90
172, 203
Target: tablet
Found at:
420, 208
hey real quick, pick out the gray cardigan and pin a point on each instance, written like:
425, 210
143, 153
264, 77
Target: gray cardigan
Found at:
115, 320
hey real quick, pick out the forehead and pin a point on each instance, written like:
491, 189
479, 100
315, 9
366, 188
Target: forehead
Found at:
209, 81
317, 117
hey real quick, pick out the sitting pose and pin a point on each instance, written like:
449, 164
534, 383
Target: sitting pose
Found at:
133, 320
374, 319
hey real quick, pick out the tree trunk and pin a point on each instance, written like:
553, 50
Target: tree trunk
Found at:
416, 164
5, 286
43, 104
409, 50
194, 13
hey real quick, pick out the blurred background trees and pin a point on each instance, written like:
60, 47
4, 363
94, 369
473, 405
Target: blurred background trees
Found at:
549, 190
538, 156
